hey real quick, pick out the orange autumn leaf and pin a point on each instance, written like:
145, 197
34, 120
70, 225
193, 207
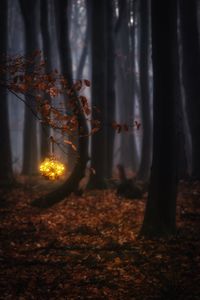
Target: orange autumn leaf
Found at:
71, 144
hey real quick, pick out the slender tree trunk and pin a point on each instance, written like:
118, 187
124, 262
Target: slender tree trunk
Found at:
132, 85
46, 41
62, 31
127, 75
6, 174
127, 37
183, 166
191, 75
160, 214
110, 86
30, 155
144, 168
103, 89
99, 91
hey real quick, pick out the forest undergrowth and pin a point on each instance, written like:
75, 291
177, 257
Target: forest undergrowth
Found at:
88, 248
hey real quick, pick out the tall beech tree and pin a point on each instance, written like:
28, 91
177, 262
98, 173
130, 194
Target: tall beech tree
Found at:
30, 155
61, 9
46, 45
144, 168
191, 75
99, 79
110, 91
183, 162
103, 95
127, 87
6, 174
160, 213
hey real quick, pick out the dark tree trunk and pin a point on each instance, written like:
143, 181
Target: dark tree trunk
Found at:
46, 41
144, 168
110, 97
160, 214
103, 89
128, 82
99, 90
133, 85
62, 31
6, 174
183, 163
30, 155
191, 75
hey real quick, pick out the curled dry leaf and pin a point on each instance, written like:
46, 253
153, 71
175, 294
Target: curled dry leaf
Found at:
71, 144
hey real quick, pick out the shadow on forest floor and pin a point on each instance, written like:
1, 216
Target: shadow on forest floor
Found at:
87, 248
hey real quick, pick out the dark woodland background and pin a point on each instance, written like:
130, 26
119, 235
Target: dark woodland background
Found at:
142, 59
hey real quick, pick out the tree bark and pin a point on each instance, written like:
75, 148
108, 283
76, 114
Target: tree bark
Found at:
128, 82
30, 153
62, 31
144, 169
6, 174
110, 96
191, 75
99, 91
46, 42
160, 213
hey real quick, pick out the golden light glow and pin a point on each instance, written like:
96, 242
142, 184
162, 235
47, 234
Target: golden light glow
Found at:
51, 168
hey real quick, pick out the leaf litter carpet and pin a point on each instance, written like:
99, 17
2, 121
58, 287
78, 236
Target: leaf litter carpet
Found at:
88, 248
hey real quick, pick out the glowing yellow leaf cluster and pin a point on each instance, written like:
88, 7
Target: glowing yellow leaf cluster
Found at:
51, 168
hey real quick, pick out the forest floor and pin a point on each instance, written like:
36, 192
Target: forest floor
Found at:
87, 248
